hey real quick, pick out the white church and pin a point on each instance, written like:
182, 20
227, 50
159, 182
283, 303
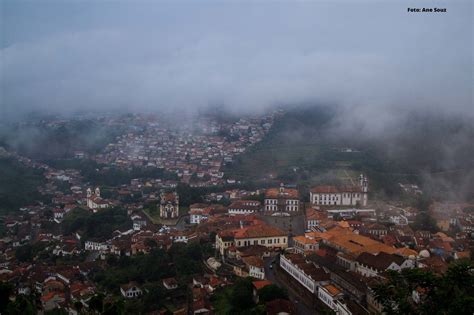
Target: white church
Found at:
341, 195
95, 201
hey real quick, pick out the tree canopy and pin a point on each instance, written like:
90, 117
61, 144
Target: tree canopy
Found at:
451, 293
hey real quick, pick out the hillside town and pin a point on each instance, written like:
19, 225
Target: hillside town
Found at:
92, 248
195, 154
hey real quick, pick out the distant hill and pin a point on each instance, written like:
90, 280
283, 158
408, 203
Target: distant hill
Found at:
42, 141
308, 146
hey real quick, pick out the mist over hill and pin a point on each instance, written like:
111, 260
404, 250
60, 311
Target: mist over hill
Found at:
312, 144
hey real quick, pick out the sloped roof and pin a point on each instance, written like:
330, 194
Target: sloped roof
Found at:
288, 193
335, 189
379, 262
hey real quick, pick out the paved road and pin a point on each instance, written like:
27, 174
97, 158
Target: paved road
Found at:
301, 307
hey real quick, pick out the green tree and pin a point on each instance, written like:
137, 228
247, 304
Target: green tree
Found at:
242, 296
6, 290
21, 306
57, 311
96, 303
447, 294
271, 292
24, 253
116, 307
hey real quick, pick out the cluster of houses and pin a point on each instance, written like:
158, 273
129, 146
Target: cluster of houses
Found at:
196, 156
344, 248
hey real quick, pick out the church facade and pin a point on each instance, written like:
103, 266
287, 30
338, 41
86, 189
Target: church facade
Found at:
169, 205
341, 196
95, 201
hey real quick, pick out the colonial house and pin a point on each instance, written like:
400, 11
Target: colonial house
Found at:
130, 290
196, 212
257, 234
306, 273
306, 243
331, 296
170, 283
314, 218
341, 196
376, 230
282, 199
369, 265
96, 246
243, 207
255, 266
58, 214
138, 222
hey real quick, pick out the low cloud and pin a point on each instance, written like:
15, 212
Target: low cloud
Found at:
372, 58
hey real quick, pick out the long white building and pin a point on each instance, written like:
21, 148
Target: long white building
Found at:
341, 195
307, 274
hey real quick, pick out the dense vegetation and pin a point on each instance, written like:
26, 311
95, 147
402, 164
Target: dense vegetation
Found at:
451, 293
98, 225
238, 298
102, 175
181, 260
298, 149
18, 185
21, 305
306, 146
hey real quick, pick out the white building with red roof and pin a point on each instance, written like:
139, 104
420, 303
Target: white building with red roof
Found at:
282, 199
341, 195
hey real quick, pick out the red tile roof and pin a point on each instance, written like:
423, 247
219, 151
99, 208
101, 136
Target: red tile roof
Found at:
288, 193
335, 189
261, 284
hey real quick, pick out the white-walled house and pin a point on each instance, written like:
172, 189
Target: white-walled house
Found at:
341, 195
282, 199
255, 266
96, 246
243, 207
306, 273
369, 265
130, 290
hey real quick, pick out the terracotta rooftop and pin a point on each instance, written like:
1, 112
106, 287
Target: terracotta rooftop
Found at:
256, 231
379, 262
305, 240
288, 193
169, 197
335, 189
353, 243
253, 261
333, 290
260, 284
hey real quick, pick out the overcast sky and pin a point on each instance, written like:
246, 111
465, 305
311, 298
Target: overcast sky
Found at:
371, 56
